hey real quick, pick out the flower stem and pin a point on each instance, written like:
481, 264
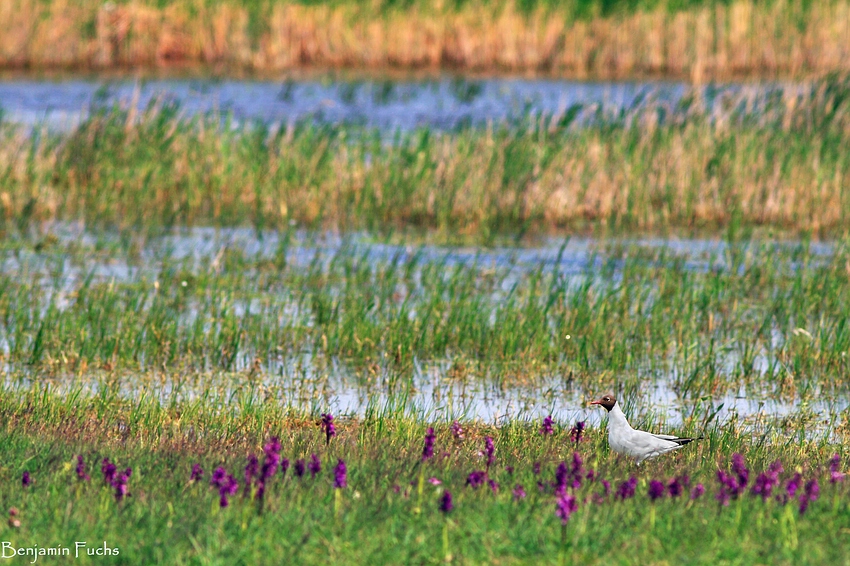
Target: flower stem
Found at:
446, 554
419, 488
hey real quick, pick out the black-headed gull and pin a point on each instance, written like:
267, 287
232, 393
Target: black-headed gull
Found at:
637, 444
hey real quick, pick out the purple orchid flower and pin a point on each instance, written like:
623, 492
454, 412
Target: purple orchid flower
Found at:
547, 429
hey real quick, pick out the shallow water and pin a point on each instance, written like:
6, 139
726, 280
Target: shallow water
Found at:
441, 103
568, 256
429, 394
300, 382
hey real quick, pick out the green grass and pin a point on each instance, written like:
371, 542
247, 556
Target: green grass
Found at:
768, 318
168, 519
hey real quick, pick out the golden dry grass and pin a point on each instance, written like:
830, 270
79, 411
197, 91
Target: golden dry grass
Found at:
711, 42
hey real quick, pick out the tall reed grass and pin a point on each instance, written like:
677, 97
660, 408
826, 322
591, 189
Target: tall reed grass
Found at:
781, 165
697, 40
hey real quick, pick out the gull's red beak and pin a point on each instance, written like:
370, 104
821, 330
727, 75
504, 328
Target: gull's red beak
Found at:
596, 402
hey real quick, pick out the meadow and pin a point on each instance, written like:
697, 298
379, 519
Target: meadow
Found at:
699, 40
157, 358
185, 300
390, 504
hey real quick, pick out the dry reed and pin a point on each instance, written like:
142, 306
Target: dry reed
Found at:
787, 170
715, 41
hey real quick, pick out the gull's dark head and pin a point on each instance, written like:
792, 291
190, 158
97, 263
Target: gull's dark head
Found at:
607, 401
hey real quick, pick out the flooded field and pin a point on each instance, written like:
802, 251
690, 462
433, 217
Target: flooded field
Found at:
687, 330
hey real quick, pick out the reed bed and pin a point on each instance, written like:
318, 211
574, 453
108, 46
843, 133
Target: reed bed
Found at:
778, 165
697, 40
188, 482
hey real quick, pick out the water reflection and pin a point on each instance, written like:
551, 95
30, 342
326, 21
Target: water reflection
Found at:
443, 103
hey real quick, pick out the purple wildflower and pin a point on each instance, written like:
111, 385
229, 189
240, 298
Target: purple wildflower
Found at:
676, 486
272, 446
793, 485
26, 480
606, 486
197, 473
489, 451
251, 469
762, 486
547, 428
835, 474
728, 487
340, 475
218, 477
732, 485
577, 470
457, 432
569, 477
298, 468
434, 481
626, 490
269, 469
328, 426
519, 492
428, 448
120, 483
740, 470
767, 480
509, 469
494, 485
656, 490
108, 470
561, 477
776, 468
577, 431
270, 464
812, 490
565, 506
697, 491
81, 469
446, 504
315, 466
231, 486
272, 459
476, 478
810, 493
536, 468
228, 486
284, 465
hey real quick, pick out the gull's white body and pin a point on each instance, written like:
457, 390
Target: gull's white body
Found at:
637, 444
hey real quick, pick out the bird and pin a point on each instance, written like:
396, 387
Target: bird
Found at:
637, 444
